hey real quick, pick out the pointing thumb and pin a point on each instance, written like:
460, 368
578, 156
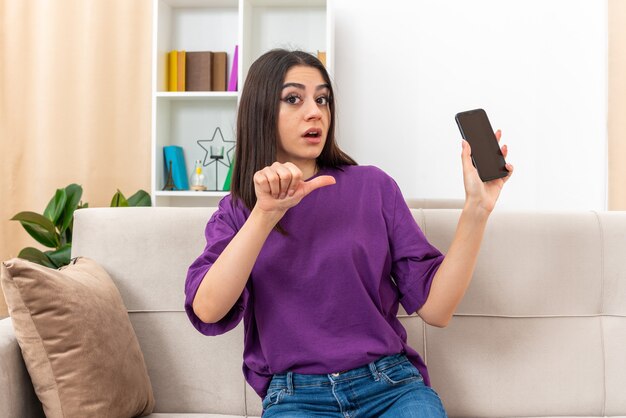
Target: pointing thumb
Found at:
317, 182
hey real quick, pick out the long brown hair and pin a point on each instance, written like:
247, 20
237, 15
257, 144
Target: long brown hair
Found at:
257, 120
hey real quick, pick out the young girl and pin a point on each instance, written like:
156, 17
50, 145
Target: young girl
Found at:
315, 254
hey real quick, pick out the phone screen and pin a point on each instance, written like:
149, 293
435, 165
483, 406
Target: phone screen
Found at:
486, 154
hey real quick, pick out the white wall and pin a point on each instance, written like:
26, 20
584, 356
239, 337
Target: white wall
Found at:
538, 67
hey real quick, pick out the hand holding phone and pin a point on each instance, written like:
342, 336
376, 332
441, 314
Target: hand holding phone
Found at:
486, 154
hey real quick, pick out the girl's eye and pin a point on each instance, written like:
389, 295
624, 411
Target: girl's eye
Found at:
292, 99
322, 100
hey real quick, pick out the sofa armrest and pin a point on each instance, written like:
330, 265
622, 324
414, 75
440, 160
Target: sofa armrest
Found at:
17, 396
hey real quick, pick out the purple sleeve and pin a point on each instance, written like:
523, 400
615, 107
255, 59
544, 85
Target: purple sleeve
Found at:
219, 231
414, 260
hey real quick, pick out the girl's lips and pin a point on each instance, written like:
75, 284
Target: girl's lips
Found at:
313, 135
316, 131
313, 139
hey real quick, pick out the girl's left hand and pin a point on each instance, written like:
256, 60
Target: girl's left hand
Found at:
481, 194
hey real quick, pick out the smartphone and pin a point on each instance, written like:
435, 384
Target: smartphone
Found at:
486, 154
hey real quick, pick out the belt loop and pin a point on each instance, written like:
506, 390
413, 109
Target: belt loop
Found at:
289, 383
374, 371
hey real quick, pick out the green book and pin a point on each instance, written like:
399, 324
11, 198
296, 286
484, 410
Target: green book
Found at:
229, 176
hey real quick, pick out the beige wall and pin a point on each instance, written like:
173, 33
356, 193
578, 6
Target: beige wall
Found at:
74, 104
617, 105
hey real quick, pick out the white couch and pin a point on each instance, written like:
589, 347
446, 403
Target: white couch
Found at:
540, 333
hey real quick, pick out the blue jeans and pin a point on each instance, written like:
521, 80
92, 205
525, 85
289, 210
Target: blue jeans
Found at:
390, 387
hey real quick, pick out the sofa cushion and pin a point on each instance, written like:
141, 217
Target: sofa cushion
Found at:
76, 339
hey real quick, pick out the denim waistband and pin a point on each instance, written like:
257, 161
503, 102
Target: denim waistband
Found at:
291, 379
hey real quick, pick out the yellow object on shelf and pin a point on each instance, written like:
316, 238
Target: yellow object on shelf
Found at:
198, 179
321, 55
180, 70
176, 71
172, 73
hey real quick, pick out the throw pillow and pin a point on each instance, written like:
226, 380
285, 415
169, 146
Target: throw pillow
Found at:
77, 341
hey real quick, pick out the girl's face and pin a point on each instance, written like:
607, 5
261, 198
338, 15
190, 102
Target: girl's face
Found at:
303, 117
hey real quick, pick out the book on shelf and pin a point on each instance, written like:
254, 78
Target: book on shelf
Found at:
172, 70
181, 71
229, 177
198, 71
232, 83
321, 55
176, 71
218, 71
175, 155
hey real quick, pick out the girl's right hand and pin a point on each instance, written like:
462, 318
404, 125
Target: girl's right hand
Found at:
280, 187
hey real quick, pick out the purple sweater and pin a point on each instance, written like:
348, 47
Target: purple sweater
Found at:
324, 298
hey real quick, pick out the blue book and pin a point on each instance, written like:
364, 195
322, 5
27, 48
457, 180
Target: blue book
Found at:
175, 154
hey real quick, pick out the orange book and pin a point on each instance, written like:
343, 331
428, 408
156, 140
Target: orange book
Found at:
321, 55
180, 71
172, 76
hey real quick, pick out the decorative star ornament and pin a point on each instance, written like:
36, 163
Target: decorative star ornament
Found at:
219, 143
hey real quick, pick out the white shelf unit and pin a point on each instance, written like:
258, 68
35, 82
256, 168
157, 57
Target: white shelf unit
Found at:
183, 118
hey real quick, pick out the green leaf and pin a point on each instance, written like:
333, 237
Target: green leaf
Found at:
66, 236
141, 198
42, 236
119, 200
74, 193
39, 227
36, 256
55, 206
60, 257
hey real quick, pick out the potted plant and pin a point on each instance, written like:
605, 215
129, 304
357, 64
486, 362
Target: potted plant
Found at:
53, 228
